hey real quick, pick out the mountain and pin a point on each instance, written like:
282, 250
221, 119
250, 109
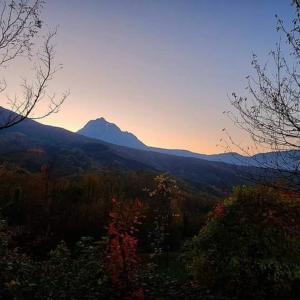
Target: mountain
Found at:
30, 145
111, 133
103, 130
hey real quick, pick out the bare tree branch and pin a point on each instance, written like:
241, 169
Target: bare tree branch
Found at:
19, 25
270, 115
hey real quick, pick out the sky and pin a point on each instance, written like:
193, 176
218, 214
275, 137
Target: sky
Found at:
161, 69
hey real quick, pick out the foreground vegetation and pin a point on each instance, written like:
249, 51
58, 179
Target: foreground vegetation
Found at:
112, 235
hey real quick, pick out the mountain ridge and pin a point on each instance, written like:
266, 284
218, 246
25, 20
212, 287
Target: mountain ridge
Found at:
31, 145
103, 130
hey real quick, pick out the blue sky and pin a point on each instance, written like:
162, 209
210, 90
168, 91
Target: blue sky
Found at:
161, 69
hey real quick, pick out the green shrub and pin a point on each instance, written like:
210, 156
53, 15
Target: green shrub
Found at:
76, 275
250, 247
65, 274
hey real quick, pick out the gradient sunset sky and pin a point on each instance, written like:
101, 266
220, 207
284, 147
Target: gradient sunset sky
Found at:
161, 69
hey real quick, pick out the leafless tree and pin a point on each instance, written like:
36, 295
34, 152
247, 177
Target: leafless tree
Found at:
20, 25
270, 115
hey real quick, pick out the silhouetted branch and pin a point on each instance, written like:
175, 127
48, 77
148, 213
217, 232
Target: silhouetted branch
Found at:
35, 93
19, 24
271, 114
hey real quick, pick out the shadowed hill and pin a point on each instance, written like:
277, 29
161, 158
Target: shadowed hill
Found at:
31, 144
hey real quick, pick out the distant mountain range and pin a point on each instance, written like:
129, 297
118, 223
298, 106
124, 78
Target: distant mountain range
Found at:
30, 145
103, 130
109, 132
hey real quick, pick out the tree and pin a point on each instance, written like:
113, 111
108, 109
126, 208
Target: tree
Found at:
123, 261
164, 199
250, 246
270, 115
20, 24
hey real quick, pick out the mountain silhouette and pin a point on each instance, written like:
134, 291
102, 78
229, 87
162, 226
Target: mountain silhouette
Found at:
103, 130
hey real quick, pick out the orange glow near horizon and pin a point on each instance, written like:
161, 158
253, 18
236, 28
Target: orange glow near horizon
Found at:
143, 128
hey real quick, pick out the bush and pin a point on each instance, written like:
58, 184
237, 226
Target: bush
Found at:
74, 275
16, 269
250, 247
79, 274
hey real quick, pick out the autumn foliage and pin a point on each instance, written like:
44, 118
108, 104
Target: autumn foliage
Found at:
123, 261
218, 211
250, 247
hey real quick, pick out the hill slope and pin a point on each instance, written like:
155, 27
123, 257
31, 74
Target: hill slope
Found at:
31, 144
